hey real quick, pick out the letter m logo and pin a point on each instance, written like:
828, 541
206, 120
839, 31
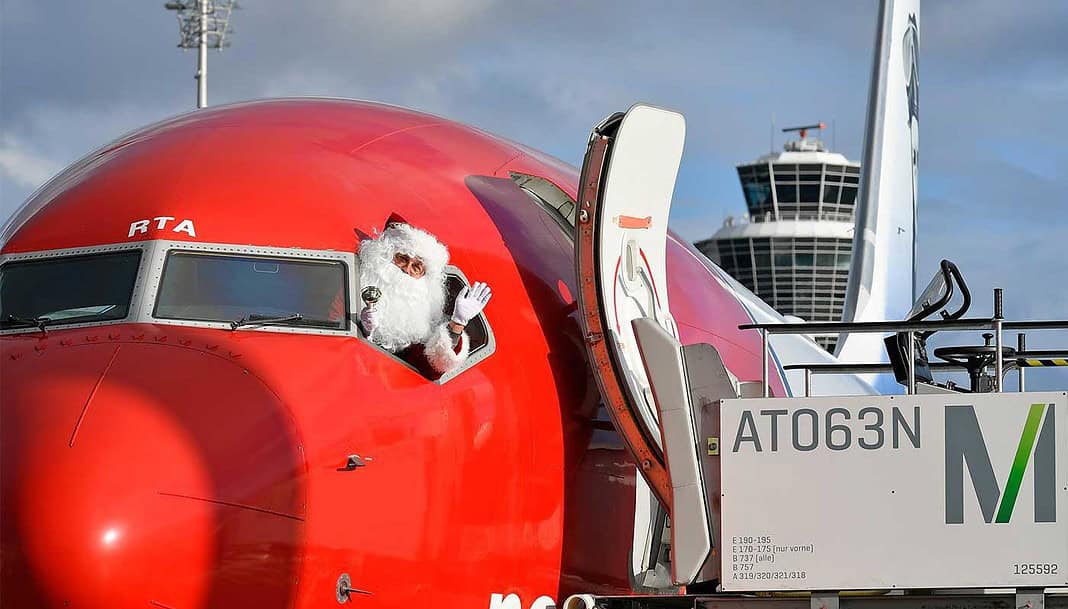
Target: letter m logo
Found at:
966, 447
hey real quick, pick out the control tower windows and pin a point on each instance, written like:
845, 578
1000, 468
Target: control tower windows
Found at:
787, 195
786, 188
810, 193
849, 196
756, 184
805, 191
830, 194
799, 276
839, 193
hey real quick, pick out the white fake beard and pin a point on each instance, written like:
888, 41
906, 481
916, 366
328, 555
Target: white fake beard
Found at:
410, 307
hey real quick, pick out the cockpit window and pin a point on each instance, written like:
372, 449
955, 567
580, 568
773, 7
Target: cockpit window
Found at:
477, 330
556, 203
253, 290
67, 290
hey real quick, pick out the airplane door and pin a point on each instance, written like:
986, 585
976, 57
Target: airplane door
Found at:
628, 177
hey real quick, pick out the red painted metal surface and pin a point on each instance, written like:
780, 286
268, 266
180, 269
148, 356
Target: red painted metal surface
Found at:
204, 467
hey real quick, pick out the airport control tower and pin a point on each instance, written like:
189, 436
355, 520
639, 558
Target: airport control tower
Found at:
794, 247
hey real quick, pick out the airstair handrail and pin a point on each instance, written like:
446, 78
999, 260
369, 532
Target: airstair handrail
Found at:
976, 323
995, 324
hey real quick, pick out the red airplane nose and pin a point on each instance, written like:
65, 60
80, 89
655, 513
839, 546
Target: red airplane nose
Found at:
126, 483
92, 523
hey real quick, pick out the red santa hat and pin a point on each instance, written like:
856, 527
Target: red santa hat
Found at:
407, 239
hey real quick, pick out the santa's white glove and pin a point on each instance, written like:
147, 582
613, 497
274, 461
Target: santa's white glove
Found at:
369, 319
470, 302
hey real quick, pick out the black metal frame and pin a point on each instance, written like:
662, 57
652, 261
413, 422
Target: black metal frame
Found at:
995, 324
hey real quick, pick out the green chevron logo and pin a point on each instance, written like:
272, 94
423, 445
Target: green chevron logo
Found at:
966, 449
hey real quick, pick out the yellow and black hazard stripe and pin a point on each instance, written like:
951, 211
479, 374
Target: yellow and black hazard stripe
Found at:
1042, 363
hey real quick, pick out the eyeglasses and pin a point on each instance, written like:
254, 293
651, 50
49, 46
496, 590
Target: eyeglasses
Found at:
411, 266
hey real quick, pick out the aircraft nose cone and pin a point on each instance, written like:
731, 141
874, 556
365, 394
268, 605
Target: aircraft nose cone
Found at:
85, 525
93, 524
126, 484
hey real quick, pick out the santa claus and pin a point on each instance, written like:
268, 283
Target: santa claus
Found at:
406, 266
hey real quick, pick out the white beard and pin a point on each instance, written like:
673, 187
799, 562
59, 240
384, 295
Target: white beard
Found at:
410, 308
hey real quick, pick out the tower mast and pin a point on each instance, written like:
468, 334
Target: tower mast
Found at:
203, 24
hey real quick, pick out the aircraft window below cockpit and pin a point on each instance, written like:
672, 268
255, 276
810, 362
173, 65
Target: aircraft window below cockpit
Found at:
253, 291
67, 290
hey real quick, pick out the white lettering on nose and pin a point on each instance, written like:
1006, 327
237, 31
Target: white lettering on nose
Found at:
186, 226
512, 601
499, 601
141, 226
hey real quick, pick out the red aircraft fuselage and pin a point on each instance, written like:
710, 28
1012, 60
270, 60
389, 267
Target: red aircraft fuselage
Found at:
163, 465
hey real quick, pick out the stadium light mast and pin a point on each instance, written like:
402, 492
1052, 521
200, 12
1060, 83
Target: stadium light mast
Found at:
203, 24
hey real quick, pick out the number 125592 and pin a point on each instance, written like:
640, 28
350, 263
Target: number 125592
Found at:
1035, 568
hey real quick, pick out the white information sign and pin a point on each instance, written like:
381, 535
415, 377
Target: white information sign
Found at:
928, 491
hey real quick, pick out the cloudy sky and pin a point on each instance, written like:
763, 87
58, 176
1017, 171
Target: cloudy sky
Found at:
994, 74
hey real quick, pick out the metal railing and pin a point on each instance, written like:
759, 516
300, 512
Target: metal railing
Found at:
996, 324
787, 213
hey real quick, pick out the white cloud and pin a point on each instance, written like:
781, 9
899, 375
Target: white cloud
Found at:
544, 73
37, 144
22, 166
413, 18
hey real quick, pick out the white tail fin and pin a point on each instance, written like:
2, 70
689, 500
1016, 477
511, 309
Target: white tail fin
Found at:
881, 285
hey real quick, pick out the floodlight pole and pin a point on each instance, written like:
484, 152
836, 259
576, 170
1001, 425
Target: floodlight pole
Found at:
202, 61
202, 24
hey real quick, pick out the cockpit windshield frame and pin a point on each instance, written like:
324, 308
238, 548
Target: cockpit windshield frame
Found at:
165, 248
147, 283
153, 259
136, 294
184, 269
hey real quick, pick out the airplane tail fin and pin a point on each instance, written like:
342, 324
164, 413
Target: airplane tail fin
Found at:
881, 276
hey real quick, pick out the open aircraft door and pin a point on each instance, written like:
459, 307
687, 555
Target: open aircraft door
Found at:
628, 177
